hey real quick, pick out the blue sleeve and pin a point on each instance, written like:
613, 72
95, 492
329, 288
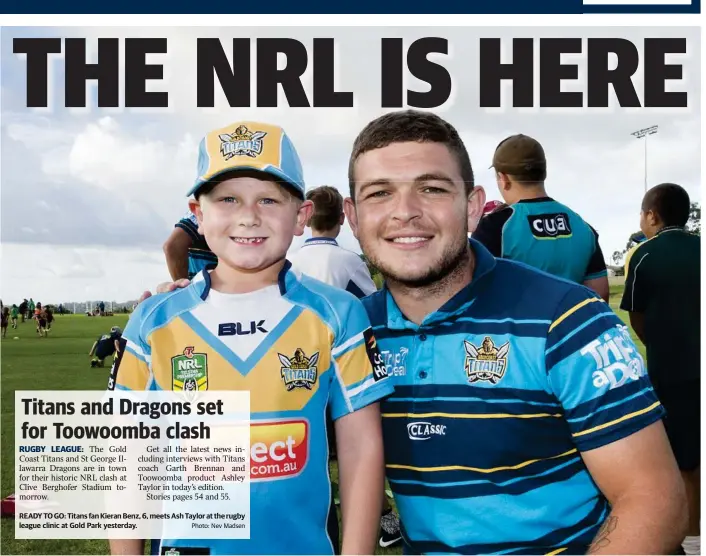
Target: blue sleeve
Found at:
360, 373
597, 373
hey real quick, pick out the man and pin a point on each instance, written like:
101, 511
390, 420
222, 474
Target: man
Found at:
663, 296
507, 422
322, 258
534, 228
505, 432
186, 250
105, 346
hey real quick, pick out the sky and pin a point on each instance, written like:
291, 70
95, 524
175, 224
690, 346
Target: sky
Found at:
88, 196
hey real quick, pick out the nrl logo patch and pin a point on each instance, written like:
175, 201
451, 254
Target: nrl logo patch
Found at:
299, 371
485, 363
189, 371
242, 142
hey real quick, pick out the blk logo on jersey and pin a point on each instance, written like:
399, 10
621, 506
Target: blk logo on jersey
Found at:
550, 226
299, 371
190, 371
376, 360
240, 329
485, 363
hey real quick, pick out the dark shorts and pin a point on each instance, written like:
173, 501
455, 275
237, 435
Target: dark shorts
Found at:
42, 323
683, 422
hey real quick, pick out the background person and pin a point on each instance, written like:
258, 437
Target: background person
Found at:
534, 228
105, 346
322, 258
663, 296
186, 250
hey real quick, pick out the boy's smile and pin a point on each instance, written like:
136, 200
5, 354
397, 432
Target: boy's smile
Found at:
249, 223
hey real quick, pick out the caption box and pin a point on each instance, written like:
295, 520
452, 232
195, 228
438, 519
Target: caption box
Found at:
126, 465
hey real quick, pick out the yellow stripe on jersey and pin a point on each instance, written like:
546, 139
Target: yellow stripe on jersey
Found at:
266, 380
619, 420
478, 469
133, 373
571, 311
475, 415
355, 365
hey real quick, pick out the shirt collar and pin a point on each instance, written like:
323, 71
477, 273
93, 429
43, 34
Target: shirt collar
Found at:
320, 241
485, 264
285, 280
670, 229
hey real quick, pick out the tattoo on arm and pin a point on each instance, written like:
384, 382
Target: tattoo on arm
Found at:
602, 540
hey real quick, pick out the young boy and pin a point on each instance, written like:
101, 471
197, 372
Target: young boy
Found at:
249, 203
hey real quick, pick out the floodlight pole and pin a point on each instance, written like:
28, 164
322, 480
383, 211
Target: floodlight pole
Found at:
642, 134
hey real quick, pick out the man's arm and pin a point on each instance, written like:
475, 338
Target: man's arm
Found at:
600, 286
596, 272
614, 416
127, 547
639, 477
93, 349
176, 251
360, 478
637, 321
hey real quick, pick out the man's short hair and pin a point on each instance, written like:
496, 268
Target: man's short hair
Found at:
522, 158
328, 207
410, 125
670, 202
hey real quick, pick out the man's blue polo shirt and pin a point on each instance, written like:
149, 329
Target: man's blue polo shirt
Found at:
496, 395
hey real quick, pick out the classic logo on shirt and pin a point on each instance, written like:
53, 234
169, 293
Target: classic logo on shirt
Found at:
485, 363
190, 371
299, 371
549, 226
616, 357
423, 430
242, 142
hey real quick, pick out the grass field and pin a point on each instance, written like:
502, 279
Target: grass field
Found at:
61, 362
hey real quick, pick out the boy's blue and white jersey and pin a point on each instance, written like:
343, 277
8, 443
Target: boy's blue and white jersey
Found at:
496, 396
301, 348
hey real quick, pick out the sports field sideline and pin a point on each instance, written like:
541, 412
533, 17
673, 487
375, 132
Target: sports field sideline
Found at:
61, 362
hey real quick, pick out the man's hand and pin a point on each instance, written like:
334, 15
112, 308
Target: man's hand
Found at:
165, 287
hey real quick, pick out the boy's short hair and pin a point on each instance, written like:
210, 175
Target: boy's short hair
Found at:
410, 125
670, 202
328, 207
